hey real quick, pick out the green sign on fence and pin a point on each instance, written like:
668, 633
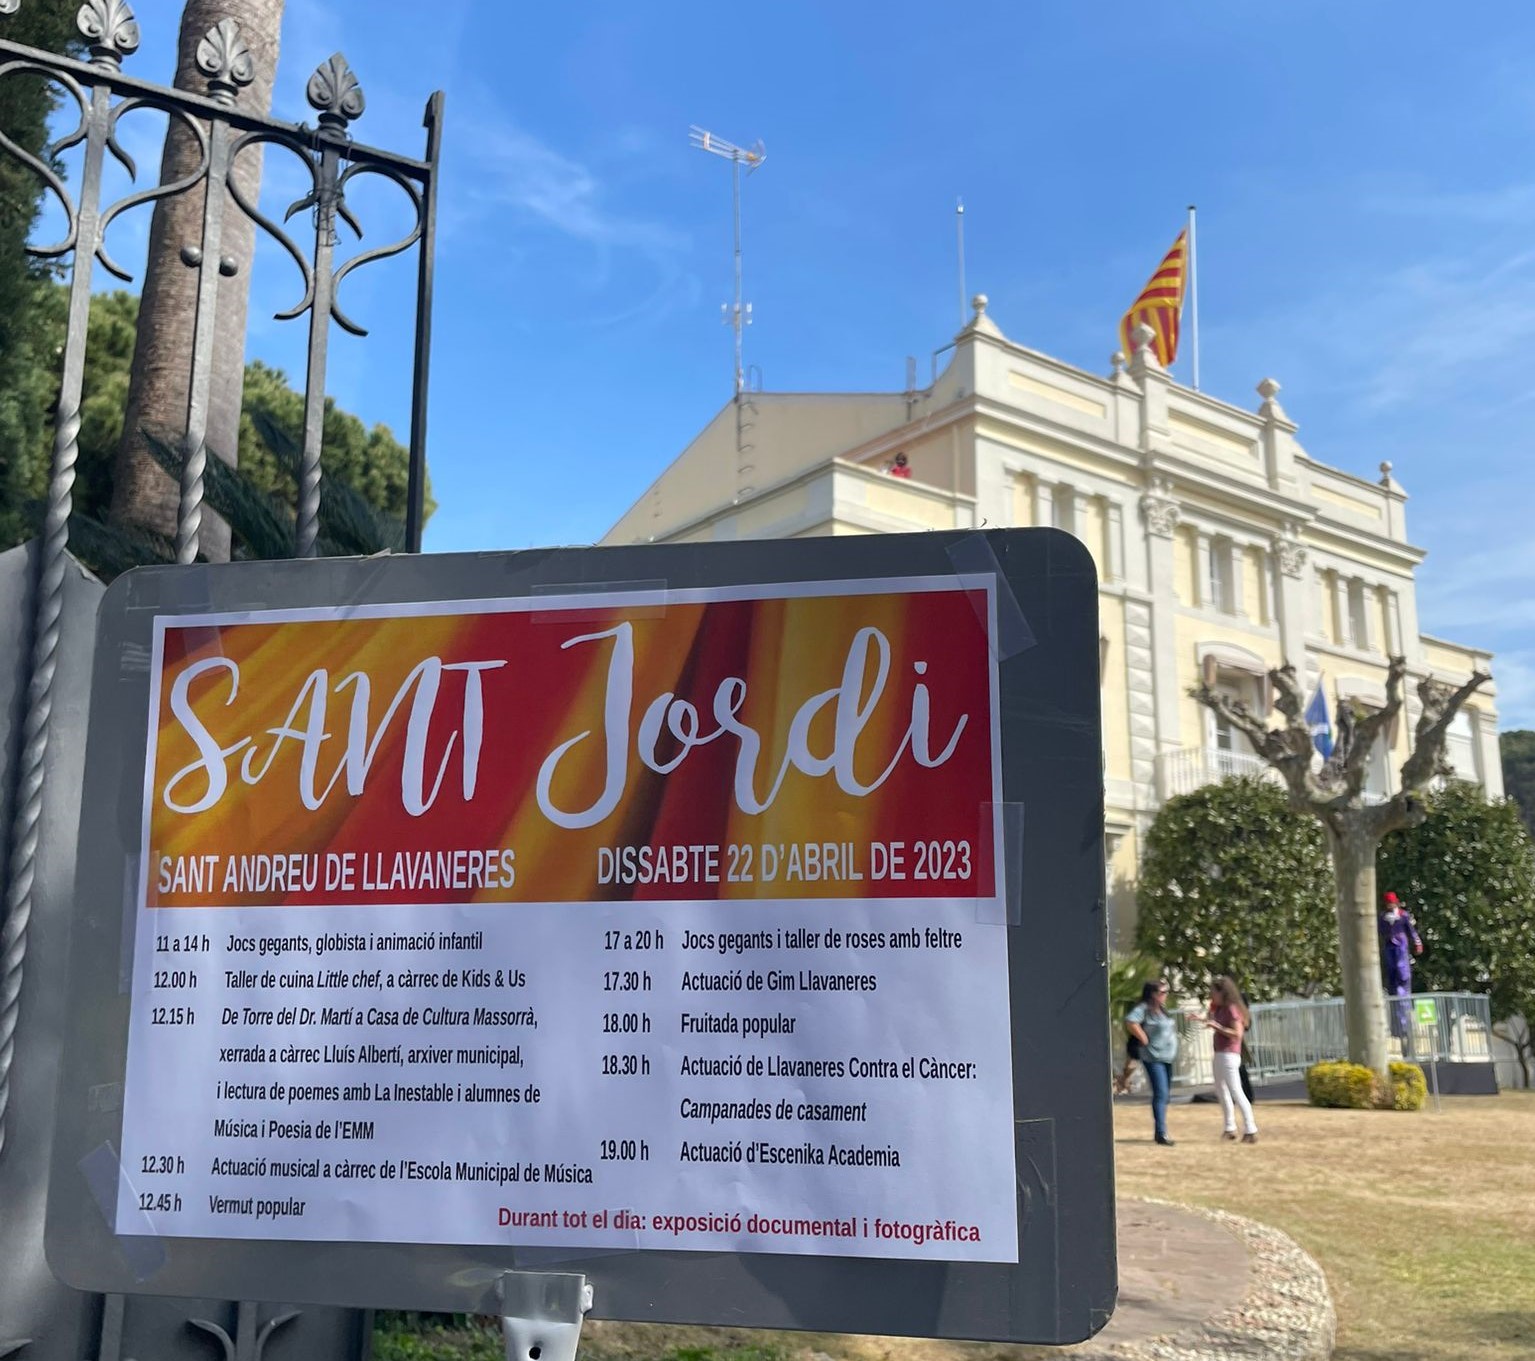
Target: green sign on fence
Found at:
1425, 1010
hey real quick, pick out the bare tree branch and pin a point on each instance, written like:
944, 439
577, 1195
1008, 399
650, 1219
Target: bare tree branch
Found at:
1286, 749
1370, 725
1335, 797
1440, 705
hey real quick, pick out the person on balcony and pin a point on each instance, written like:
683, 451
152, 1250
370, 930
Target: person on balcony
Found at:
899, 467
1398, 936
1155, 1029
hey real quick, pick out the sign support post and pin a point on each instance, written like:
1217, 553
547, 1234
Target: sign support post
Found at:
542, 1313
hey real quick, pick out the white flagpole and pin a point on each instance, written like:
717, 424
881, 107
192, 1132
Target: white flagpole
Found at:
959, 229
1194, 295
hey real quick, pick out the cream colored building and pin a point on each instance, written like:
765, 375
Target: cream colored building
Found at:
1222, 547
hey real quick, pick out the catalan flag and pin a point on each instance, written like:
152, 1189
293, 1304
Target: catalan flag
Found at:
1160, 304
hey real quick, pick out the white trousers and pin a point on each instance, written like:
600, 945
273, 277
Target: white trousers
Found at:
1228, 1086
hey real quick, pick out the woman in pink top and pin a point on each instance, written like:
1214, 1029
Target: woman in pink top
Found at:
1227, 1017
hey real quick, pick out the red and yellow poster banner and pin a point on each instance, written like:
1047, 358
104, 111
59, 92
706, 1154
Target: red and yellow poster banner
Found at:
834, 740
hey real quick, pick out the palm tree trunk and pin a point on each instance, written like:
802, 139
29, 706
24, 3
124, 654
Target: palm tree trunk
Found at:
142, 493
1364, 1002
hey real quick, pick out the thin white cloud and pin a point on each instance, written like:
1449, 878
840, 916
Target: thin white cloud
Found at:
518, 173
1509, 205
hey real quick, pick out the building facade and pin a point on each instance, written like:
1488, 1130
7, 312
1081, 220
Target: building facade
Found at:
1223, 549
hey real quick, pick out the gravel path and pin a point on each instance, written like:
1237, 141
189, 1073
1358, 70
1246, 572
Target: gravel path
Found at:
1285, 1313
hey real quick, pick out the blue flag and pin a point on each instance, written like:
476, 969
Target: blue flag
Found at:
1321, 725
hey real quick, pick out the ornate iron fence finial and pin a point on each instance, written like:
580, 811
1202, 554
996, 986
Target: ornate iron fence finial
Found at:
224, 58
111, 30
334, 91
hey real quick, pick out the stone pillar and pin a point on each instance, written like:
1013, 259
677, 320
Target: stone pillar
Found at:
1044, 502
1155, 432
1161, 513
1341, 611
1140, 677
1367, 616
1205, 569
1277, 440
1114, 539
1489, 755
1126, 403
1238, 603
1290, 590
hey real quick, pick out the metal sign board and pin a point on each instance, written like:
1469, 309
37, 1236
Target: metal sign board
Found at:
721, 922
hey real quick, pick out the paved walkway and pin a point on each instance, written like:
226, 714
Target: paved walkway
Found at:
1195, 1285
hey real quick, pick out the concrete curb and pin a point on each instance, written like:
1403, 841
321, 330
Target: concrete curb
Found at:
1286, 1315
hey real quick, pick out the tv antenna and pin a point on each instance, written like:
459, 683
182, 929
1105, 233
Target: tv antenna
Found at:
738, 314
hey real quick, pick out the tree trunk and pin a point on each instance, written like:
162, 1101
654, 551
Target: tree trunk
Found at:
1523, 1046
142, 493
1364, 999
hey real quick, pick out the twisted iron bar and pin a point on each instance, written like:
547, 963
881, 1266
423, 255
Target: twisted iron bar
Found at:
25, 827
112, 32
53, 564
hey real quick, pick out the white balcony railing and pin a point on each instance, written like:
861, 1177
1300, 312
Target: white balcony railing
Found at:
1192, 768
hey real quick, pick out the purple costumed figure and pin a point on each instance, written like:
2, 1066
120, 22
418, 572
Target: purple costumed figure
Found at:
1398, 943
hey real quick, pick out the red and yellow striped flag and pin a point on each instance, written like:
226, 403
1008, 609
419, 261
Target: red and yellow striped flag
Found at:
1160, 304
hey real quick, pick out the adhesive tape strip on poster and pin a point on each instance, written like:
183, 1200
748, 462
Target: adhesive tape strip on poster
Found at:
1003, 821
110, 1185
976, 567
654, 593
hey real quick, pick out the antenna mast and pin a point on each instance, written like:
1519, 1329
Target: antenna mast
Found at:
738, 314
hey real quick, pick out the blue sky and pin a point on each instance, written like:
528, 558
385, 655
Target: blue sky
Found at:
1365, 174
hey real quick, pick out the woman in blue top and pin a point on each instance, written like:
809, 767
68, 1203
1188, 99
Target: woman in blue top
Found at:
1153, 1026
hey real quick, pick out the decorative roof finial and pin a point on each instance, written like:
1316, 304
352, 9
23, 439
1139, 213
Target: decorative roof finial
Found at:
1270, 410
979, 303
1143, 354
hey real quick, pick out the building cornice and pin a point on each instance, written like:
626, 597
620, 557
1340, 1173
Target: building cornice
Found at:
1394, 492
833, 468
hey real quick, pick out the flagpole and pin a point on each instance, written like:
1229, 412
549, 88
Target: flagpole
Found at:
959, 230
1194, 294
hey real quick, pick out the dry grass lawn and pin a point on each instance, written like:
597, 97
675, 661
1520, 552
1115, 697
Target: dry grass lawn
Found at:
1424, 1224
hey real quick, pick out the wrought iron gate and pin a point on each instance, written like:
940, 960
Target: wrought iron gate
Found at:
103, 93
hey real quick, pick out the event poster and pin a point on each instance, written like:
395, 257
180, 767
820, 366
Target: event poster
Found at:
648, 920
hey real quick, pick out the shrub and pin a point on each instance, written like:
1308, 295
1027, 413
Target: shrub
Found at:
1235, 881
1350, 1086
1468, 876
1408, 1089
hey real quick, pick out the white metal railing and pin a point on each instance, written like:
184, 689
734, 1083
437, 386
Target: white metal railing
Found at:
1446, 1027
1286, 1038
1184, 771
